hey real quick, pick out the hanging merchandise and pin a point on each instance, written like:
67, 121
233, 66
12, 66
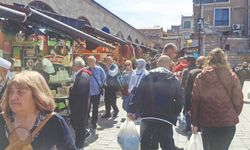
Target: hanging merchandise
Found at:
125, 51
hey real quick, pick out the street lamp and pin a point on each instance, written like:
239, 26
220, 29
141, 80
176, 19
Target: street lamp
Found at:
200, 22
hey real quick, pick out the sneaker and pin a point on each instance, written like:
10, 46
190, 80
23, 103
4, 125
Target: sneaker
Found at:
123, 119
87, 134
106, 116
115, 113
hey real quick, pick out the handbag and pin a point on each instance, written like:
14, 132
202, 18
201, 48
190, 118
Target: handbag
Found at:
114, 82
124, 90
14, 141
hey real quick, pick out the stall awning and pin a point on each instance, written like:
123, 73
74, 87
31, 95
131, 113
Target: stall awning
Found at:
155, 51
13, 14
33, 15
81, 25
75, 28
75, 23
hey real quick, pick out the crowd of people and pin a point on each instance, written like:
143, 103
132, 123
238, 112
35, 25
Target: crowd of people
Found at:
243, 72
206, 90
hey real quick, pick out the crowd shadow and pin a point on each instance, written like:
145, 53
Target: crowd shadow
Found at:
105, 123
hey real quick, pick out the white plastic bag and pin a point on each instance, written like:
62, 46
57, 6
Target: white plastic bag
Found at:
195, 142
128, 137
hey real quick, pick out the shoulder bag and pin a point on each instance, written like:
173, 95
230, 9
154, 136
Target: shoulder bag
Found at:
14, 142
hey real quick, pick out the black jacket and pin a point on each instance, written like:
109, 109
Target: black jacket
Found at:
159, 95
79, 98
188, 92
55, 132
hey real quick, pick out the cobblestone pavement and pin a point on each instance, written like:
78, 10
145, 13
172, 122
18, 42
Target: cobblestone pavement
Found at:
105, 137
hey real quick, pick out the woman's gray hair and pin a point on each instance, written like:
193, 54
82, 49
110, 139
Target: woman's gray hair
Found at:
78, 61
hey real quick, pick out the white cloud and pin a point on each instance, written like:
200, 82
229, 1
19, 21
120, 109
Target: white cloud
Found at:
147, 13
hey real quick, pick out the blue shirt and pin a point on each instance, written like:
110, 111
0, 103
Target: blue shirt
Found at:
100, 76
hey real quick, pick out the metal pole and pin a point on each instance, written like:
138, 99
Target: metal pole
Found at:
199, 30
12, 14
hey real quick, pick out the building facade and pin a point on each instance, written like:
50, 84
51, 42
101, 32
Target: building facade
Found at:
157, 37
186, 31
225, 24
95, 14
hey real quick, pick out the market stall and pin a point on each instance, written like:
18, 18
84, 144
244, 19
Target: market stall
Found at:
26, 33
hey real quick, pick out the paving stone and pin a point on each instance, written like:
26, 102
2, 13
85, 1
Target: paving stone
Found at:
108, 129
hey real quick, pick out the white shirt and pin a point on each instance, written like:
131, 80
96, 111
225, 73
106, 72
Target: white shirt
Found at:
48, 66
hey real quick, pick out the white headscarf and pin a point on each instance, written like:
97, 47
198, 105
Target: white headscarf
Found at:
137, 74
140, 64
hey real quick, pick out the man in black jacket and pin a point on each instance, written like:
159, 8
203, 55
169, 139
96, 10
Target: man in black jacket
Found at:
79, 99
189, 88
159, 99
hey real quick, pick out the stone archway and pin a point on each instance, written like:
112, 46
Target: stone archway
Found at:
41, 5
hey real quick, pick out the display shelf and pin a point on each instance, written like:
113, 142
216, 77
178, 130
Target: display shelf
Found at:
61, 81
31, 57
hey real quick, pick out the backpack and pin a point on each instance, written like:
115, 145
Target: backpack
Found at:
114, 81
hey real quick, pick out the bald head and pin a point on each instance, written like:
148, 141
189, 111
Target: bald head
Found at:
200, 61
91, 61
164, 61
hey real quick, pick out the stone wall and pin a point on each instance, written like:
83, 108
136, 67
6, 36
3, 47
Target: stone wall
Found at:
97, 15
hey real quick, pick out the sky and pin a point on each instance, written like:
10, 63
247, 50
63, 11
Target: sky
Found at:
149, 13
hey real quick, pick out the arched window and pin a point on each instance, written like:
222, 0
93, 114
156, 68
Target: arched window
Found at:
41, 5
136, 41
85, 19
120, 35
129, 38
106, 29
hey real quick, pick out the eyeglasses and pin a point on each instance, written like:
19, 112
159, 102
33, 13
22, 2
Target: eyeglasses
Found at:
127, 64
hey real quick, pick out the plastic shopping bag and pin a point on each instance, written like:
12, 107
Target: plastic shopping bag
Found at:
195, 142
128, 137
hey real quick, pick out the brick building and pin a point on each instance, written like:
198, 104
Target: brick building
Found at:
157, 37
225, 24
